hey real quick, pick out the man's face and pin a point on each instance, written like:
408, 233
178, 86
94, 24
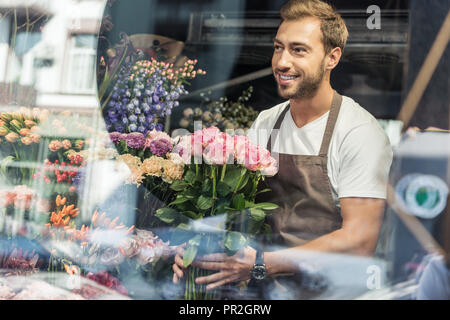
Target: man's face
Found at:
298, 61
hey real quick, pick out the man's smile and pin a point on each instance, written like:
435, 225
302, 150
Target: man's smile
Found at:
285, 78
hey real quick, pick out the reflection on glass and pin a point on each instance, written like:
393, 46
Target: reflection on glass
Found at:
123, 148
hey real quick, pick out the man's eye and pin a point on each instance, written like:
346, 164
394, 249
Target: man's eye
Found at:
299, 50
277, 48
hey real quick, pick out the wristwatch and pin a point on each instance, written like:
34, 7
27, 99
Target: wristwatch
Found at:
259, 271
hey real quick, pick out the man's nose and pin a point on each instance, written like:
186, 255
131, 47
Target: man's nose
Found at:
283, 60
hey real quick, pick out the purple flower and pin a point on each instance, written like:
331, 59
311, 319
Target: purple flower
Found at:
115, 136
135, 140
160, 147
132, 127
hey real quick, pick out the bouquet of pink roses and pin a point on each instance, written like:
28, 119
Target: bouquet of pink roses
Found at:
214, 209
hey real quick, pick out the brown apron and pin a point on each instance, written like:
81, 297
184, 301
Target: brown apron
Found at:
302, 189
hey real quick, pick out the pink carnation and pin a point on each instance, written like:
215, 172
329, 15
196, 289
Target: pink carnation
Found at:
158, 135
183, 149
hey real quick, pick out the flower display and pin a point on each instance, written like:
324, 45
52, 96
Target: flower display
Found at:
221, 177
105, 279
145, 247
62, 216
19, 141
144, 93
63, 172
160, 147
219, 148
18, 262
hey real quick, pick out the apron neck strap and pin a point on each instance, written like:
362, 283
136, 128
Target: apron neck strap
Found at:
276, 128
332, 118
331, 122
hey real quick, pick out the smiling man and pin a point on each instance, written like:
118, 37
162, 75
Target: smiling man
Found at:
334, 158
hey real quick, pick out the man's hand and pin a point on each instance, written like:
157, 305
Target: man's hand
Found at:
231, 268
178, 266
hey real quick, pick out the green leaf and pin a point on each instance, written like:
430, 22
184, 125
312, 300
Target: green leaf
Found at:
232, 177
266, 206
207, 186
189, 255
179, 185
257, 214
222, 206
254, 227
244, 181
238, 201
123, 148
192, 214
180, 199
189, 177
190, 193
264, 190
195, 241
223, 189
187, 206
204, 203
167, 215
234, 241
249, 204
4, 164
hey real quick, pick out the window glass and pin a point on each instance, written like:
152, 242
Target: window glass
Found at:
139, 137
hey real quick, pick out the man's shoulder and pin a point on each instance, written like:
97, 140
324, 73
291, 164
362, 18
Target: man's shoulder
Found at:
353, 115
356, 125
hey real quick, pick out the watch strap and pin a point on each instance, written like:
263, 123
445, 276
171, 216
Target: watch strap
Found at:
259, 257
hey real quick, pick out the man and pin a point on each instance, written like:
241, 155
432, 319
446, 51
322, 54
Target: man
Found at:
334, 158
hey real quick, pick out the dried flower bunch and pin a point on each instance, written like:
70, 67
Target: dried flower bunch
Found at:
223, 114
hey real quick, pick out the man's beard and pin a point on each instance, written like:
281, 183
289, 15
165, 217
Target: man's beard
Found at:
308, 87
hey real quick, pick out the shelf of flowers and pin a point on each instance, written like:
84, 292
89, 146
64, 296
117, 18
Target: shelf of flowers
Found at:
204, 185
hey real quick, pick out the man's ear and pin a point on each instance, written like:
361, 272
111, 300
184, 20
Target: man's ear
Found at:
333, 58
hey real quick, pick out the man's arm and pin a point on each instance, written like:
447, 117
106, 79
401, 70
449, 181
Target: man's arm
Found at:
362, 219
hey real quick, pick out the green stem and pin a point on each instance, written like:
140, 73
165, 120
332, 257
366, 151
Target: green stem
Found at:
255, 186
224, 169
213, 174
22, 170
213, 208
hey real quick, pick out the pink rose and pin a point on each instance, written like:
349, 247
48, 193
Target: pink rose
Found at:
209, 135
241, 146
270, 170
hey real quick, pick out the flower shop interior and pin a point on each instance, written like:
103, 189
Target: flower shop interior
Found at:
102, 185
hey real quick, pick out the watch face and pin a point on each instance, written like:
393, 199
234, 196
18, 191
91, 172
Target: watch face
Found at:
259, 272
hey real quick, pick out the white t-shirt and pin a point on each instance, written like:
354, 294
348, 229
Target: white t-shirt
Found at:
359, 155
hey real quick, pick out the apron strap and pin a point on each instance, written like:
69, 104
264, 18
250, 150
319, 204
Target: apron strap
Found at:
276, 127
331, 122
332, 118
